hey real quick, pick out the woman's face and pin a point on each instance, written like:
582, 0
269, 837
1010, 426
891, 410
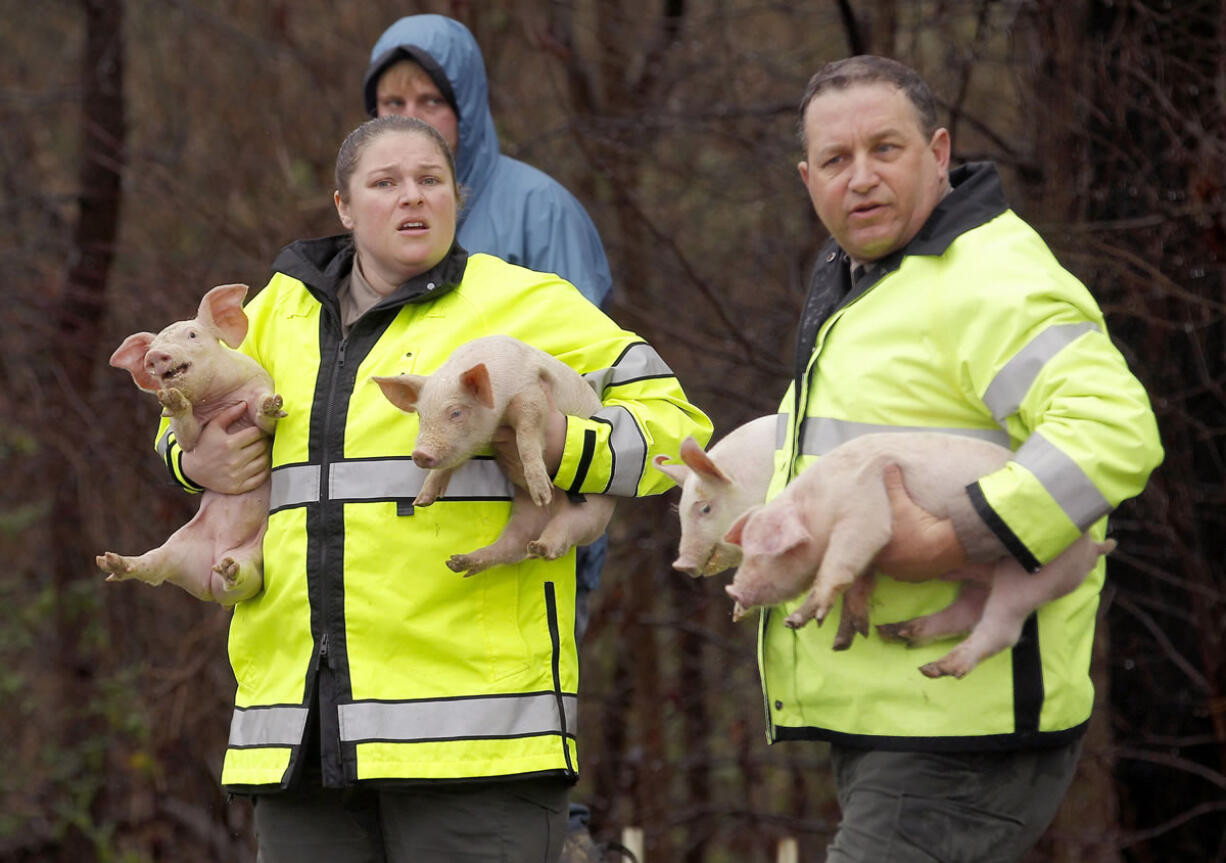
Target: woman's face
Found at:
401, 208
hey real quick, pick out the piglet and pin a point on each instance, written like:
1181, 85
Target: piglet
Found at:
217, 555
489, 384
716, 488
822, 532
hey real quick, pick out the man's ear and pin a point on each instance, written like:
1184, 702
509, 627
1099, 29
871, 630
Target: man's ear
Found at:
803, 167
941, 147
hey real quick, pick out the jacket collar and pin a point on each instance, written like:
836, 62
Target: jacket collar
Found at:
975, 199
322, 264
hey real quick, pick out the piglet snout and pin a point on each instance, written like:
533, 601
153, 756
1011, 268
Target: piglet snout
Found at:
687, 566
424, 459
158, 362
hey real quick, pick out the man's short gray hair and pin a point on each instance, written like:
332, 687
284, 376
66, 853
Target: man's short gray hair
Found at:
871, 69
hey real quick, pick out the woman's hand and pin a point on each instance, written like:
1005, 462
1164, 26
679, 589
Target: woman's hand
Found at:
922, 546
229, 462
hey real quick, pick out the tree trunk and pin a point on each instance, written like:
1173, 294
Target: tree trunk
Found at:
71, 360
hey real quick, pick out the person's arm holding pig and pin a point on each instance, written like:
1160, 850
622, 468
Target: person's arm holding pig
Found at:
1082, 417
645, 411
223, 460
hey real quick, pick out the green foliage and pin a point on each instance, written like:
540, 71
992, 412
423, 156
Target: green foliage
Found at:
18, 446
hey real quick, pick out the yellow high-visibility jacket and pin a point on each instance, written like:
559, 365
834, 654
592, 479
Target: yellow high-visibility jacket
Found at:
419, 673
975, 329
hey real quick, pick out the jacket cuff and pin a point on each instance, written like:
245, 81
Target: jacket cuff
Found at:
978, 541
1013, 545
172, 457
578, 453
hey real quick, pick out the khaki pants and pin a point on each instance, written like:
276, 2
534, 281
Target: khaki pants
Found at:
520, 821
918, 807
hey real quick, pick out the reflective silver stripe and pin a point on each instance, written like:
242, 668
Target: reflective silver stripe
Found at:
268, 726
294, 485
384, 479
163, 443
782, 427
639, 361
819, 435
629, 451
496, 716
1064, 480
401, 478
1004, 395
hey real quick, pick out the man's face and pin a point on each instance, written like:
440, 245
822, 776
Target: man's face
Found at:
408, 90
872, 174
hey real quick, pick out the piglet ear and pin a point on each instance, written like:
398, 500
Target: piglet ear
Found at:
678, 473
222, 311
402, 390
698, 460
737, 531
131, 356
476, 382
784, 531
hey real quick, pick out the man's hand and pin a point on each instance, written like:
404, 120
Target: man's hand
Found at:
921, 546
229, 462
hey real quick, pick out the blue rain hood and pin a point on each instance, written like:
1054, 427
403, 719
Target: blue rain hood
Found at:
514, 210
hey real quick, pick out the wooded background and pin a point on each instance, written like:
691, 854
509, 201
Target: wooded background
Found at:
154, 148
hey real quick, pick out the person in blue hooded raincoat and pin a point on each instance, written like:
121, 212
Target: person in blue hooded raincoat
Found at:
513, 210
430, 67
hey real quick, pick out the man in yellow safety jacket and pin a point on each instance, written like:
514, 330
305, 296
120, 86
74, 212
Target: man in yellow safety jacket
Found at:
934, 307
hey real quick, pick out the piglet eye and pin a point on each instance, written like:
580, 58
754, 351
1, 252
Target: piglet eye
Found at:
191, 334
706, 509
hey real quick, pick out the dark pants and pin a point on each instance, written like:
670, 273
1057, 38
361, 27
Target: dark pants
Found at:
488, 822
916, 807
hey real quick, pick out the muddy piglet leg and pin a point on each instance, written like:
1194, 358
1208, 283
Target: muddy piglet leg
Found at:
527, 413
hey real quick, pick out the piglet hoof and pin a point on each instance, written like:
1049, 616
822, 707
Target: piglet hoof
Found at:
227, 568
468, 564
738, 611
859, 624
536, 548
947, 666
899, 633
173, 402
848, 627
272, 407
541, 490
796, 620
425, 499
115, 566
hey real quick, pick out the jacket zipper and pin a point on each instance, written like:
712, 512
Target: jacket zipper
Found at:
325, 611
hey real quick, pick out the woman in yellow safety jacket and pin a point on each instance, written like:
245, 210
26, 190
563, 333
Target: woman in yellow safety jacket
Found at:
372, 678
